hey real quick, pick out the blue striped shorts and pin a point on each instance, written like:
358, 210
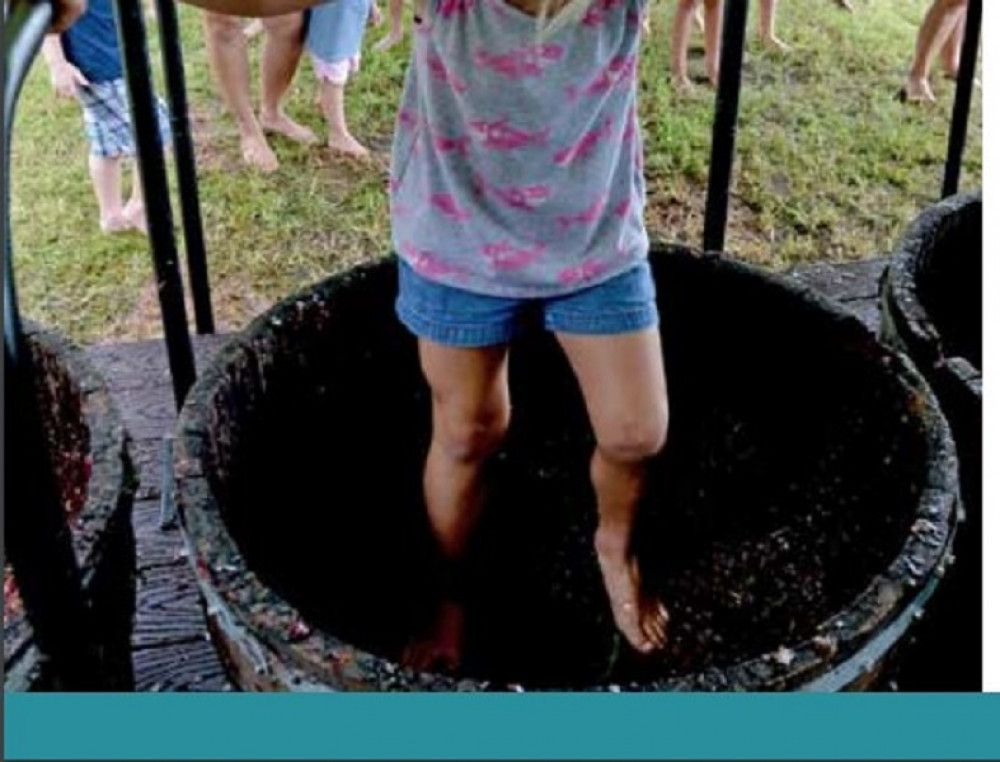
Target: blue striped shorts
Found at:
108, 121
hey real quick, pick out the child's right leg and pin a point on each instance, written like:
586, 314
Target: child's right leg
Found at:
227, 53
681, 37
106, 177
938, 24
332, 80
471, 411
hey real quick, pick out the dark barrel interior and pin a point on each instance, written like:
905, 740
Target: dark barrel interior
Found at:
932, 310
796, 459
948, 273
88, 448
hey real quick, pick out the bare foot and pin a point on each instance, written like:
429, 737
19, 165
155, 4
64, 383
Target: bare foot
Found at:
641, 618
257, 153
115, 223
441, 650
683, 85
282, 124
917, 89
390, 40
346, 144
776, 44
134, 214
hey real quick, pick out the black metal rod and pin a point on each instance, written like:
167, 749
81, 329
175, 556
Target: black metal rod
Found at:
963, 98
727, 106
187, 177
153, 175
37, 538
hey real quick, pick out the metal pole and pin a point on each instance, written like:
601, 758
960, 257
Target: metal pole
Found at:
37, 538
153, 174
187, 177
727, 106
963, 98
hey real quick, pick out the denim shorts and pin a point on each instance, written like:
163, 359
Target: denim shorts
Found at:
454, 317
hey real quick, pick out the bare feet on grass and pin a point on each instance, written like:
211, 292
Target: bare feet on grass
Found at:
282, 124
345, 143
257, 153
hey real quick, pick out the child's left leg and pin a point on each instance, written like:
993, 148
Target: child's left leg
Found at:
332, 81
106, 177
768, 11
625, 391
283, 43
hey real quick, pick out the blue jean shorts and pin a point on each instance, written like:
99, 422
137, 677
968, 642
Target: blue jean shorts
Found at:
454, 317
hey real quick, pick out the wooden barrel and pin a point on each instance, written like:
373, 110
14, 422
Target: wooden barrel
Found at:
90, 450
796, 522
931, 303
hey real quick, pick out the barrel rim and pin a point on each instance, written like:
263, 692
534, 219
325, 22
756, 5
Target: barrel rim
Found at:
905, 319
112, 483
320, 660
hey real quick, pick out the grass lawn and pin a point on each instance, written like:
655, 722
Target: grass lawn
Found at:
830, 166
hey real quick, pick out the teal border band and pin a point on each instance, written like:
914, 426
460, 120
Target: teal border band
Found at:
501, 726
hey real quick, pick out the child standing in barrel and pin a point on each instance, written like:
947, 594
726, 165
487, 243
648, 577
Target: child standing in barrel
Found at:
517, 187
85, 62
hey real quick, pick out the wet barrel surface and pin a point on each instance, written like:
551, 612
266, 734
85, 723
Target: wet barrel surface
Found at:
89, 448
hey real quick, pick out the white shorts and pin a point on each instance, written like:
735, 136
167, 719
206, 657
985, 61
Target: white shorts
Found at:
336, 72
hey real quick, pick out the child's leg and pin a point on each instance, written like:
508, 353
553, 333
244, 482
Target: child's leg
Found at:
283, 42
626, 395
951, 51
106, 177
713, 39
681, 37
135, 210
395, 35
227, 53
331, 99
934, 30
471, 411
768, 11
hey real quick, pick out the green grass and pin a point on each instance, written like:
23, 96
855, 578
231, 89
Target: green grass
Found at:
830, 166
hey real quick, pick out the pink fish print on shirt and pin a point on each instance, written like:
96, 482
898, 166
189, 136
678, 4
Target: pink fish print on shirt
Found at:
526, 197
499, 136
449, 8
598, 10
505, 256
440, 71
408, 120
445, 144
585, 145
621, 69
522, 63
581, 273
427, 262
622, 207
588, 216
449, 206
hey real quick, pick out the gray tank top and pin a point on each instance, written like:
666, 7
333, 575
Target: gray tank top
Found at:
517, 159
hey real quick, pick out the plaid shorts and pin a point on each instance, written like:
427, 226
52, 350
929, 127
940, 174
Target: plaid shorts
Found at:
108, 122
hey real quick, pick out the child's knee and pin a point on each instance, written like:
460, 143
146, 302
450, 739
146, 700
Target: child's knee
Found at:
471, 438
222, 28
635, 438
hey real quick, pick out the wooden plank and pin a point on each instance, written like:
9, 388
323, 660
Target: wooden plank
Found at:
846, 281
191, 666
169, 609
